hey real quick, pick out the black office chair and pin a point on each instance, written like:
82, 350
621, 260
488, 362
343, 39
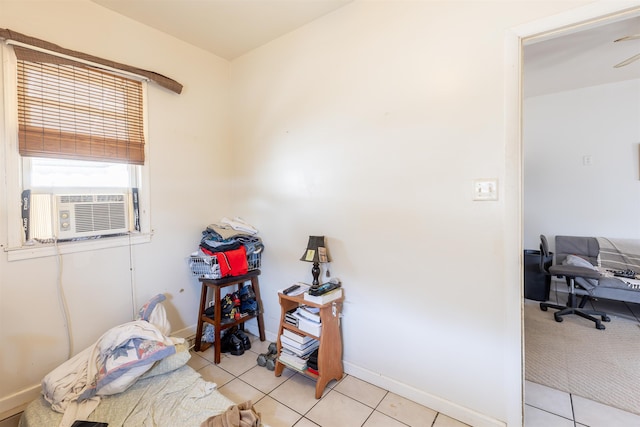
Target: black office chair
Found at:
570, 273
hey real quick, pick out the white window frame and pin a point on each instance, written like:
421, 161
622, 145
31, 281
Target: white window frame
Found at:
13, 185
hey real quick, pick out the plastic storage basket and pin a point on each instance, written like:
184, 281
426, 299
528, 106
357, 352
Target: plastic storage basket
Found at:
206, 267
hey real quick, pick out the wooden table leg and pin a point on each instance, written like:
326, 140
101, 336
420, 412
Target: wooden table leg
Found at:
216, 327
203, 299
256, 290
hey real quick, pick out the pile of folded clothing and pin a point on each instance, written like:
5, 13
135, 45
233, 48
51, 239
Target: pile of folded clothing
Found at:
231, 242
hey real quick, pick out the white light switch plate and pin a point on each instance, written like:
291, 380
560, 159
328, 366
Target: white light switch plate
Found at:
485, 189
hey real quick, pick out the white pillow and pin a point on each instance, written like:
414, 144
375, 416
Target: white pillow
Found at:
578, 262
126, 363
581, 262
170, 363
153, 312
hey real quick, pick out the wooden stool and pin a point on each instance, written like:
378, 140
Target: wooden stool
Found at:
218, 326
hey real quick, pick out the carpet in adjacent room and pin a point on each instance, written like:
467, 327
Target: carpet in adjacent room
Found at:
575, 357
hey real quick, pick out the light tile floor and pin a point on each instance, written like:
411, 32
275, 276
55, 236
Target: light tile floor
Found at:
289, 400
546, 407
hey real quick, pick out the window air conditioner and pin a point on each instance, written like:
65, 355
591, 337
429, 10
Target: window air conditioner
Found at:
71, 216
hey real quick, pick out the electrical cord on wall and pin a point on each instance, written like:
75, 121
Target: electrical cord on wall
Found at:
132, 281
63, 302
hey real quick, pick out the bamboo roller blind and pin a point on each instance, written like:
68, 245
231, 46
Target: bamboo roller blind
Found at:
68, 110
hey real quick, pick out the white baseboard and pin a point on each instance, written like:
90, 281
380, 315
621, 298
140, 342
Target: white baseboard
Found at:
421, 397
184, 332
15, 403
436, 403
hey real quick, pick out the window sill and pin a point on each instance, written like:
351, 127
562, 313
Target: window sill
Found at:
46, 250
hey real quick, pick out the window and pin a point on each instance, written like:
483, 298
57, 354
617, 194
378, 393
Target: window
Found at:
54, 175
73, 130
74, 108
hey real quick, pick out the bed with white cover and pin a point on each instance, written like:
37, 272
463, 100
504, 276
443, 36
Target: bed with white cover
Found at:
134, 376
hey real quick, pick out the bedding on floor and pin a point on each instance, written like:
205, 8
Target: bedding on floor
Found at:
135, 376
178, 398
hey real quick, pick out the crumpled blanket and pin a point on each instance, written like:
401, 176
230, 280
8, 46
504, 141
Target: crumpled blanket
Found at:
242, 415
63, 385
109, 366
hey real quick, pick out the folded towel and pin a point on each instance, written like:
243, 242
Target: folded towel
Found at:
239, 224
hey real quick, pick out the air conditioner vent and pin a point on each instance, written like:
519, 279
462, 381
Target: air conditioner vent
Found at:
91, 198
87, 215
100, 217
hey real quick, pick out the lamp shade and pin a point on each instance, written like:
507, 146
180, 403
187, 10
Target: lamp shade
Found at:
316, 250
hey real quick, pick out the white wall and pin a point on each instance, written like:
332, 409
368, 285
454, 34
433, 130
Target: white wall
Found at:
369, 126
189, 169
562, 195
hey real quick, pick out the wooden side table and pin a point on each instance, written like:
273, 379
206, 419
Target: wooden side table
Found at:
216, 285
330, 350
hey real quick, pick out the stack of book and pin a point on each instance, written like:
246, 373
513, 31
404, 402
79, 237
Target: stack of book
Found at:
309, 313
324, 298
312, 362
308, 319
290, 318
296, 349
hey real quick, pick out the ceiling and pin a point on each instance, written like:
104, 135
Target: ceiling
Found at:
227, 28
580, 57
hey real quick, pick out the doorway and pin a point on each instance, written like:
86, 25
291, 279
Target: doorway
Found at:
557, 27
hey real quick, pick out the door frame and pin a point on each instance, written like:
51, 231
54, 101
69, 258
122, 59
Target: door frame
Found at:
561, 24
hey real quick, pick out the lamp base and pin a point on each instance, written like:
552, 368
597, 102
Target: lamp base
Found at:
315, 271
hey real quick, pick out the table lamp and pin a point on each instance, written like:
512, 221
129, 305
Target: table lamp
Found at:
316, 253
